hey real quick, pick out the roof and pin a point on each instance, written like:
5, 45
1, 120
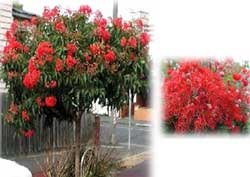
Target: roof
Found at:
19, 13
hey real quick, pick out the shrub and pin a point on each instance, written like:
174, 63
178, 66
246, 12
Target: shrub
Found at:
198, 97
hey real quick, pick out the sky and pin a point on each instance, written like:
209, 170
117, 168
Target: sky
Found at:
106, 7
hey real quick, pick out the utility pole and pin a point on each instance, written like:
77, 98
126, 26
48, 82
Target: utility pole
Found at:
115, 8
113, 112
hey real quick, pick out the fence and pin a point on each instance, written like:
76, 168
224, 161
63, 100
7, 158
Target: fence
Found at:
59, 136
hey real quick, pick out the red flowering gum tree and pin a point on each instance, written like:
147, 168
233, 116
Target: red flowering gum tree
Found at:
128, 64
57, 65
197, 98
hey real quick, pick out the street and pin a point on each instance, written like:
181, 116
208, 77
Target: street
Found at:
140, 135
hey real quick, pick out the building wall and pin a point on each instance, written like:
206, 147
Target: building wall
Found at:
5, 20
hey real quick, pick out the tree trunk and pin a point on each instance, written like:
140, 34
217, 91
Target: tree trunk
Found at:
77, 144
113, 127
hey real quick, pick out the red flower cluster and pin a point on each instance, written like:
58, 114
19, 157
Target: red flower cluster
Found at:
25, 116
103, 33
236, 76
28, 133
13, 47
50, 101
100, 22
85, 9
132, 42
110, 56
70, 62
40, 102
117, 22
197, 100
127, 26
50, 13
59, 65
87, 57
60, 27
139, 23
44, 51
144, 38
31, 79
123, 42
13, 108
71, 48
95, 49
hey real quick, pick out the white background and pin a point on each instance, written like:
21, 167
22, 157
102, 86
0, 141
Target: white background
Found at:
216, 28
200, 28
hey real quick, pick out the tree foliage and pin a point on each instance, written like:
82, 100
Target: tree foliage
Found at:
57, 65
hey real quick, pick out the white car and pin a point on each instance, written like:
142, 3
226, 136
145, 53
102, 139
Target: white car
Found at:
12, 169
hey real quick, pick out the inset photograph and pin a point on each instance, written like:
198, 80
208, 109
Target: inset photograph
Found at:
205, 96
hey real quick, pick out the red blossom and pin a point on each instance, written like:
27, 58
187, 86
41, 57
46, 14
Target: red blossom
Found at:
244, 82
144, 38
95, 49
236, 76
123, 42
25, 116
50, 13
139, 23
59, 65
9, 117
100, 22
13, 108
85, 9
60, 27
87, 57
14, 26
28, 133
103, 33
132, 56
70, 62
31, 79
40, 102
169, 71
44, 50
199, 124
117, 22
110, 56
50, 101
71, 48
127, 26
32, 65
132, 42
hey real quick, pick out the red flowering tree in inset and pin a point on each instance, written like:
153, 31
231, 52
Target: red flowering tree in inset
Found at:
197, 98
57, 65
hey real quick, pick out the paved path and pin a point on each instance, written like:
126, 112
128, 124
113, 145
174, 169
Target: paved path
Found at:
141, 170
